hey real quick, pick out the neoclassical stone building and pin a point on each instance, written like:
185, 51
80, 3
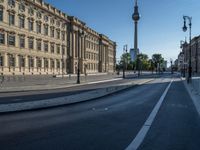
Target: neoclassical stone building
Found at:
36, 38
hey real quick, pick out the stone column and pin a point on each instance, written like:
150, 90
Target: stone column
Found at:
16, 64
17, 40
35, 65
6, 63
26, 65
42, 69
49, 65
61, 67
55, 67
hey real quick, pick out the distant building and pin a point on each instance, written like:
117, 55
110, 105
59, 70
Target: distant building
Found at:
180, 62
164, 65
175, 66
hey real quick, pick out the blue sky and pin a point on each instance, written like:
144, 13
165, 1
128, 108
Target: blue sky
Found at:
159, 27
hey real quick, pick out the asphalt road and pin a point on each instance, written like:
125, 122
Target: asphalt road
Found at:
109, 123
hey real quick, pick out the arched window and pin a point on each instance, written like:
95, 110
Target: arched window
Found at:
22, 7
11, 3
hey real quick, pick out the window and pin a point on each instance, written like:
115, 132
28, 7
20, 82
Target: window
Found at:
22, 42
22, 61
1, 60
31, 43
11, 61
58, 63
63, 25
11, 40
39, 15
63, 36
58, 49
58, 23
58, 34
39, 27
2, 38
11, 3
63, 50
39, 45
22, 7
52, 21
52, 32
46, 63
21, 22
52, 48
1, 14
31, 11
31, 62
46, 29
46, 47
30, 25
52, 64
46, 18
39, 62
11, 19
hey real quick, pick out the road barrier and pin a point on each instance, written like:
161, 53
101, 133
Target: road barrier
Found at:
196, 84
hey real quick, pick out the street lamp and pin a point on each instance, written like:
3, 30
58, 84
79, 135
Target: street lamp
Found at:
125, 49
190, 50
171, 61
80, 34
181, 46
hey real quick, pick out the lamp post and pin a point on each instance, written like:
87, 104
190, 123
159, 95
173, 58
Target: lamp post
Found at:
190, 50
181, 46
80, 34
124, 61
171, 61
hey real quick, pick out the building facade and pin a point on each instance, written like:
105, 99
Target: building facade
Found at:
180, 65
36, 38
195, 54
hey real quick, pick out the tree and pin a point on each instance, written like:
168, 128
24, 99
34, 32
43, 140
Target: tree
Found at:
144, 61
157, 60
125, 58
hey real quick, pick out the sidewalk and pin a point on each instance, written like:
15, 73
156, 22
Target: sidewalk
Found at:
31, 83
193, 90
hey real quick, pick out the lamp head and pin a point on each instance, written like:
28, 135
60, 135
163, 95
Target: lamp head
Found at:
184, 26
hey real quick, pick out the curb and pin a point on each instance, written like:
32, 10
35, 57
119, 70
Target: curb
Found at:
61, 87
71, 99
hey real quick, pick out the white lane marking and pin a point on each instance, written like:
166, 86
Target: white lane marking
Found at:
102, 81
134, 145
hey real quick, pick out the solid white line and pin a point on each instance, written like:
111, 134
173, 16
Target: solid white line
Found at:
102, 81
145, 128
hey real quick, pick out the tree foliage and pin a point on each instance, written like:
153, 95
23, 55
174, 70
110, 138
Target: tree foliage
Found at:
142, 61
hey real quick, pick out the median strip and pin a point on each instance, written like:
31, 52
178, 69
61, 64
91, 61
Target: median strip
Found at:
81, 97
